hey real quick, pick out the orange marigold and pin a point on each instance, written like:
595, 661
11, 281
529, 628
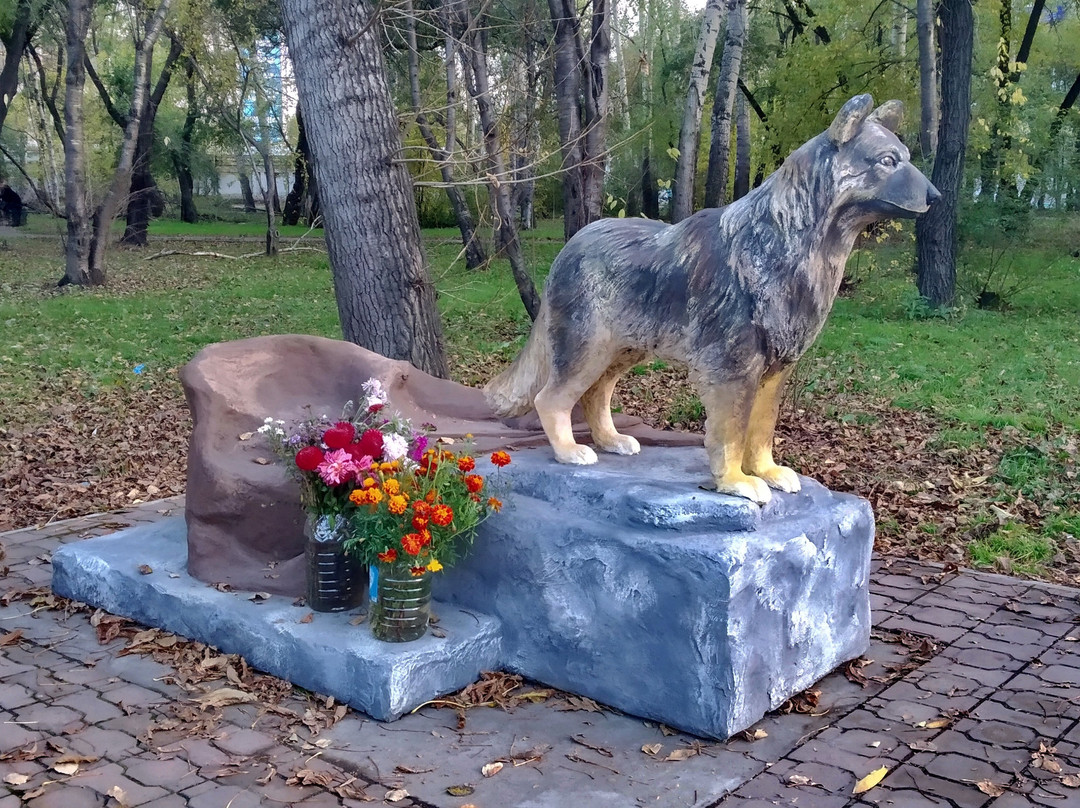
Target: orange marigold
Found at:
474, 483
442, 515
417, 571
466, 463
425, 534
374, 496
420, 522
397, 505
389, 557
431, 496
495, 504
421, 508
500, 458
391, 487
369, 482
413, 543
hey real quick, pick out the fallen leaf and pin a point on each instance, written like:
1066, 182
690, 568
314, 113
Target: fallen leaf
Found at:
223, 697
246, 435
323, 743
1071, 780
360, 618
66, 769
652, 748
259, 597
396, 795
989, 788
460, 791
871, 780
15, 779
800, 780
491, 769
922, 746
73, 758
118, 794
11, 636
666, 731
145, 569
262, 461
681, 754
307, 618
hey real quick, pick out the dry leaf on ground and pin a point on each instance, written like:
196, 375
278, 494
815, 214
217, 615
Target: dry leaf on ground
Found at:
871, 780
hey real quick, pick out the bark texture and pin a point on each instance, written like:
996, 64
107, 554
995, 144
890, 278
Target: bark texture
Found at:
716, 181
385, 296
581, 92
935, 231
742, 149
928, 103
682, 200
76, 193
302, 201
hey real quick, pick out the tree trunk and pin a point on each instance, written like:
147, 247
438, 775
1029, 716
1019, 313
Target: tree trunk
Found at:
385, 296
742, 148
141, 197
475, 256
14, 44
682, 201
301, 187
76, 192
927, 79
182, 156
650, 202
244, 179
474, 66
581, 94
935, 231
727, 85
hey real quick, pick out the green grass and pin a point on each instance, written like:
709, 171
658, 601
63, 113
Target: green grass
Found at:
1024, 549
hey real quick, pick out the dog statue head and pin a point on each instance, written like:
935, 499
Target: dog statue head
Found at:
875, 178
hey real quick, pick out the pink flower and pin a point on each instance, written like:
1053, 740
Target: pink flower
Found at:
337, 467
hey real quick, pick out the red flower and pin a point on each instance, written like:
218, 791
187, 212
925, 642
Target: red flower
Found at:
371, 444
419, 522
417, 571
466, 464
500, 458
442, 515
474, 483
309, 458
421, 508
389, 557
413, 543
374, 408
356, 452
339, 435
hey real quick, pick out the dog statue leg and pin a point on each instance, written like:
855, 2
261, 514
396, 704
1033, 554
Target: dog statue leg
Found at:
554, 406
758, 457
727, 410
596, 402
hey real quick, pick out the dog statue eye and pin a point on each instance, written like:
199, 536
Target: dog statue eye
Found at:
888, 161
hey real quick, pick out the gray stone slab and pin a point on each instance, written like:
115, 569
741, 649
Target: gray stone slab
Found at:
327, 655
703, 629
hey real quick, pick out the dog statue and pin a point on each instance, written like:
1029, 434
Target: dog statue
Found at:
737, 293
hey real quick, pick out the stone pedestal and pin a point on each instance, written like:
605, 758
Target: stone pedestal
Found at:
623, 581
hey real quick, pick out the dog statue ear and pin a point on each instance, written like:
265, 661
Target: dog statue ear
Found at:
850, 118
890, 115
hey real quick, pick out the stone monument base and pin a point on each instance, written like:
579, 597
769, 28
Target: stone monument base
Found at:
624, 582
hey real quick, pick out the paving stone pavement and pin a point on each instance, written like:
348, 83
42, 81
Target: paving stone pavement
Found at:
969, 698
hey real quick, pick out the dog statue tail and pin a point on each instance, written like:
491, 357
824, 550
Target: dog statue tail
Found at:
513, 391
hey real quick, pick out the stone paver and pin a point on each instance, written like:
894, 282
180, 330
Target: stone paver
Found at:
995, 703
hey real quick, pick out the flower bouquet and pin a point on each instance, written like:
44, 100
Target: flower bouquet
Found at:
415, 516
328, 458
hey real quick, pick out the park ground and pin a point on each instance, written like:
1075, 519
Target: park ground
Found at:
961, 427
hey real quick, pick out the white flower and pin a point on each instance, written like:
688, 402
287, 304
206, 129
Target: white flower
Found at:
268, 420
262, 430
279, 422
279, 432
374, 392
394, 447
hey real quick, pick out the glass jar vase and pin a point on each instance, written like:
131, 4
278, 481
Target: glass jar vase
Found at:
335, 579
402, 604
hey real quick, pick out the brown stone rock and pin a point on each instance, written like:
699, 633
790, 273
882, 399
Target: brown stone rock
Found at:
245, 524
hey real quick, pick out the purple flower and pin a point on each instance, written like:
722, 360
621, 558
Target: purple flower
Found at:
337, 467
419, 446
